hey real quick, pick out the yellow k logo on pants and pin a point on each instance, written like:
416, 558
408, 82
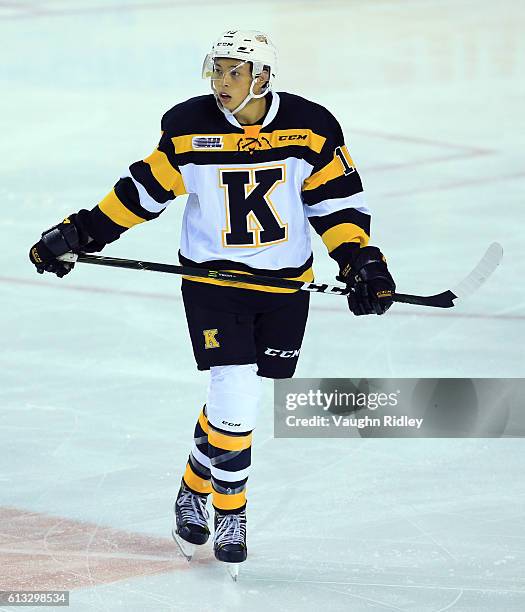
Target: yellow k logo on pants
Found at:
210, 341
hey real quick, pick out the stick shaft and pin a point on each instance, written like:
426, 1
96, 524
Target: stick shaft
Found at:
238, 277
221, 275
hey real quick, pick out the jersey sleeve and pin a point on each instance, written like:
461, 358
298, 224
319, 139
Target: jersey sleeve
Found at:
333, 196
142, 194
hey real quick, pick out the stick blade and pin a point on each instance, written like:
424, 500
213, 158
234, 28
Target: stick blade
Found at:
471, 283
488, 263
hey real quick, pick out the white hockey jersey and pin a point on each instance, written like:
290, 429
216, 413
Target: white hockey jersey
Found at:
254, 191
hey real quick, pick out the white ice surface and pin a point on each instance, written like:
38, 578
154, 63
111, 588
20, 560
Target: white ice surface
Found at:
98, 387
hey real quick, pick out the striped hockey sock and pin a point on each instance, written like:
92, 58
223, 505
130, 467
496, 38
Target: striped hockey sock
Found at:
197, 475
230, 458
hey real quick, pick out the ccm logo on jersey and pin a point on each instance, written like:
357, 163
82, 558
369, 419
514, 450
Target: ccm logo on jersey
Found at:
285, 354
294, 137
207, 142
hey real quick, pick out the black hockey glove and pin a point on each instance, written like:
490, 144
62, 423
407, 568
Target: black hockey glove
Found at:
371, 285
68, 236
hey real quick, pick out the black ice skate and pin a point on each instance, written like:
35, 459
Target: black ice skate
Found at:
191, 521
229, 541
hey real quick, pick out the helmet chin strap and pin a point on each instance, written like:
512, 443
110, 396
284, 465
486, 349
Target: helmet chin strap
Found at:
251, 96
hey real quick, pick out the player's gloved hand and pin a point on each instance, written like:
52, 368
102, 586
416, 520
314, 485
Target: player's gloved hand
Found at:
68, 236
371, 284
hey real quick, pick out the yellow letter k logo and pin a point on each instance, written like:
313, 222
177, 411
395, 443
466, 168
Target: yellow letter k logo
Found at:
210, 341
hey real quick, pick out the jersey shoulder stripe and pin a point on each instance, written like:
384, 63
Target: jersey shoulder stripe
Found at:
233, 143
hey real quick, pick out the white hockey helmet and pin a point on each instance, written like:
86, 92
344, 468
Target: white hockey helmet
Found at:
245, 45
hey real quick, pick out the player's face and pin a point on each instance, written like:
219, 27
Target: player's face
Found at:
231, 80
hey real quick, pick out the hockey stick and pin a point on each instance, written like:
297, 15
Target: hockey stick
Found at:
489, 262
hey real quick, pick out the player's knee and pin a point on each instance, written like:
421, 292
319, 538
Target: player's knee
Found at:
233, 397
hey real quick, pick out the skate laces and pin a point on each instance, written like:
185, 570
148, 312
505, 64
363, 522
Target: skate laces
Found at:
193, 508
231, 529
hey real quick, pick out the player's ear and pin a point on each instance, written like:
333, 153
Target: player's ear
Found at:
261, 81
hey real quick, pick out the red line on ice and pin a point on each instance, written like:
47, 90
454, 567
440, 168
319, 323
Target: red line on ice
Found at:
43, 552
425, 141
456, 185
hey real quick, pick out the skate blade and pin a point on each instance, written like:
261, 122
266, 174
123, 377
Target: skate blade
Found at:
233, 570
186, 548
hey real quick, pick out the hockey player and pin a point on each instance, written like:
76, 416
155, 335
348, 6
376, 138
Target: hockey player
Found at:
259, 168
